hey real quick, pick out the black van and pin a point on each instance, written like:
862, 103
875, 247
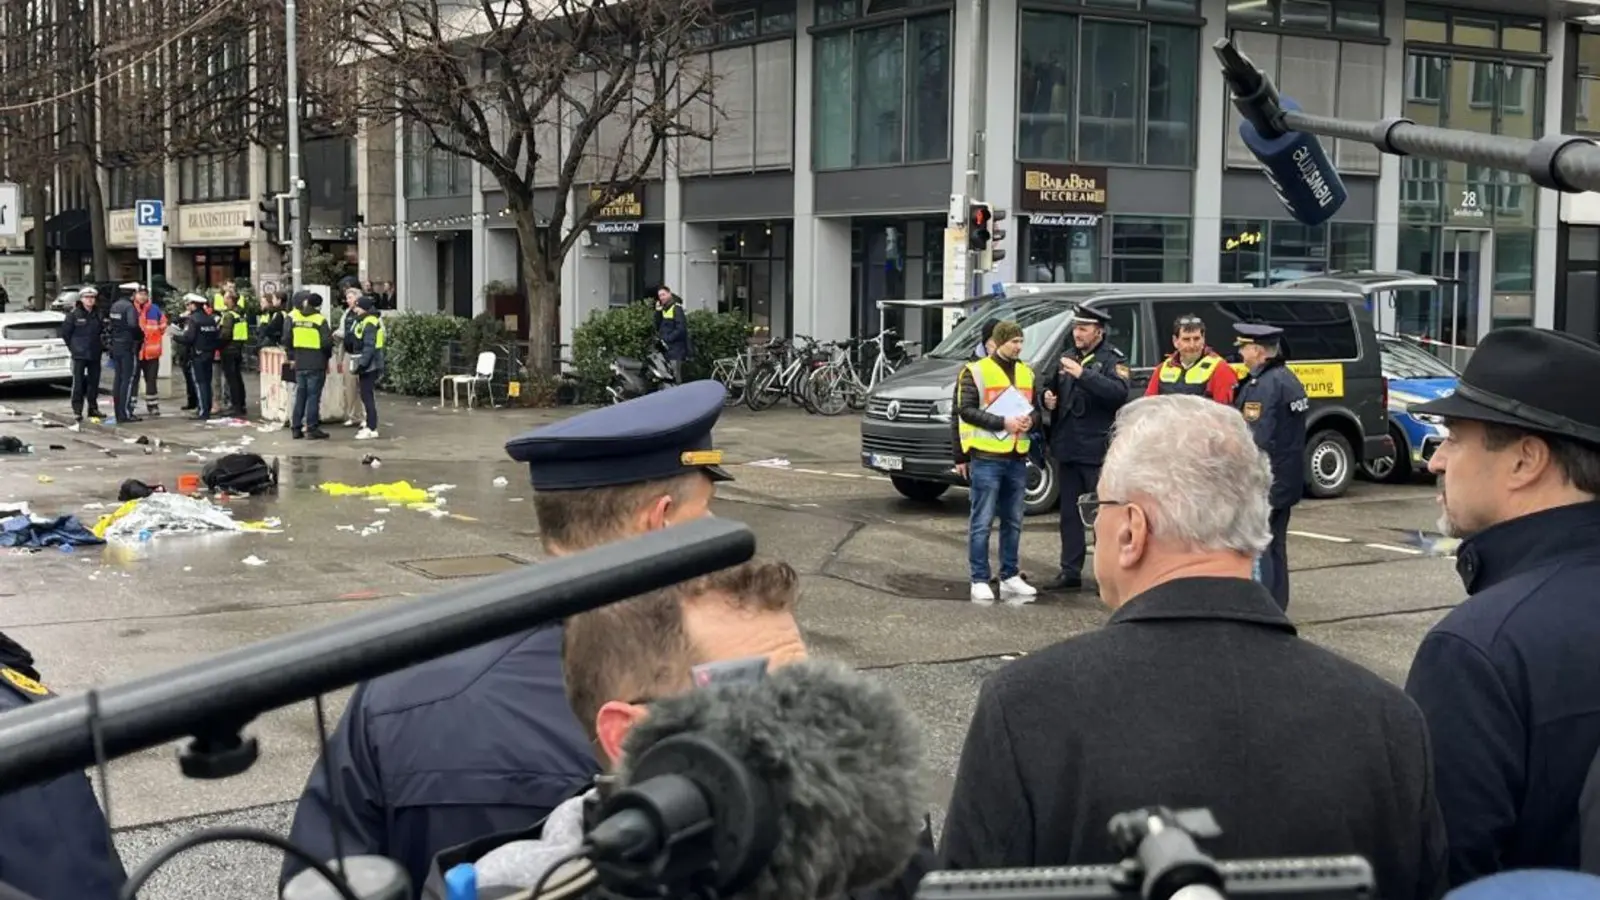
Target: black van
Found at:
1328, 339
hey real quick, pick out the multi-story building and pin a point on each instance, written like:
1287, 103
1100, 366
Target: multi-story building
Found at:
844, 127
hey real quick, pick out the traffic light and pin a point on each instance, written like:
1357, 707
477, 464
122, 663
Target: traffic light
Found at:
269, 216
277, 216
994, 252
983, 233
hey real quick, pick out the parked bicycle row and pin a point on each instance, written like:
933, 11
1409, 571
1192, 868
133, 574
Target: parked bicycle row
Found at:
824, 377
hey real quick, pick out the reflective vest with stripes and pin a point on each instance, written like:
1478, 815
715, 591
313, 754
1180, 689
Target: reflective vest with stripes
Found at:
1175, 379
305, 335
991, 381
369, 322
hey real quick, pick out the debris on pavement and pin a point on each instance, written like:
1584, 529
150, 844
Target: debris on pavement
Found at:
500, 481
370, 460
167, 513
10, 445
394, 493
29, 532
253, 560
46, 479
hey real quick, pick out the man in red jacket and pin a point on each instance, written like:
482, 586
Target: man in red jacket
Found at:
1193, 367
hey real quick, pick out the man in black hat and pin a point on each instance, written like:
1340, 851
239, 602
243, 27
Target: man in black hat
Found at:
1084, 393
1274, 403
1508, 680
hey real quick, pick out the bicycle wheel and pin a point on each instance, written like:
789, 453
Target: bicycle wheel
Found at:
827, 396
760, 392
724, 372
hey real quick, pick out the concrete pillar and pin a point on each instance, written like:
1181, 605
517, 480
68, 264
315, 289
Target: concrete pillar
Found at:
1386, 252
1545, 259
808, 262
1000, 153
479, 239
405, 287
1210, 149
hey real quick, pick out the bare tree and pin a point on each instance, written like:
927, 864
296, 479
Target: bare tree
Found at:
547, 94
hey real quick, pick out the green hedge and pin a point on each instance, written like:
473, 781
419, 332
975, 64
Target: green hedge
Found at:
629, 330
414, 351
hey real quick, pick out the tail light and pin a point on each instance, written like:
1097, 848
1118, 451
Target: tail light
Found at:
11, 351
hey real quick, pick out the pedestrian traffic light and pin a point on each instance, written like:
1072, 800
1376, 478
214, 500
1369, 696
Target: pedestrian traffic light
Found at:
994, 252
269, 216
978, 218
983, 235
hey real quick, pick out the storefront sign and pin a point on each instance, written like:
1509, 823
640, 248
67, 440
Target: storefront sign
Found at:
119, 228
1056, 188
1244, 239
1063, 220
627, 205
217, 224
616, 228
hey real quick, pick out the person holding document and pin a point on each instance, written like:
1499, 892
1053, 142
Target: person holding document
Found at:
994, 412
1083, 395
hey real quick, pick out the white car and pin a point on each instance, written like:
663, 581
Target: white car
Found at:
31, 349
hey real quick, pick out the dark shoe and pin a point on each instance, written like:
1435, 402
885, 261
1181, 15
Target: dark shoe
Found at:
201, 416
297, 434
152, 410
1063, 582
130, 417
190, 407
236, 414
96, 414
317, 434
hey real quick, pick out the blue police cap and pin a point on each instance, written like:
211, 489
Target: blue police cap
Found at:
1256, 333
645, 439
1085, 315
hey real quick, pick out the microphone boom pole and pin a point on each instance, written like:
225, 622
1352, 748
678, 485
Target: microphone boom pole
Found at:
1559, 162
213, 699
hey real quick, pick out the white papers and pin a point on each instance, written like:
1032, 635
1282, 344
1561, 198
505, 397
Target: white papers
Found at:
1010, 403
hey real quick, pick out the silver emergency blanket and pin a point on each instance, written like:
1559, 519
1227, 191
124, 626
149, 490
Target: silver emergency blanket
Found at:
164, 513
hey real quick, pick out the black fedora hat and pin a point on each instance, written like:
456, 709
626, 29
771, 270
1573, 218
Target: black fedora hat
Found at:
1529, 378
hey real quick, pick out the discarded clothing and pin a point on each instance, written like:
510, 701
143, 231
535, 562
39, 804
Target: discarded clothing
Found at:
397, 492
168, 513
9, 444
24, 532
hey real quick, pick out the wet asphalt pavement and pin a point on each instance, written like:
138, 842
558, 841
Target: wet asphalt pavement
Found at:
884, 580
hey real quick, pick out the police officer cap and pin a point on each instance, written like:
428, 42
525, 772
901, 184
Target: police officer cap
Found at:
89, 291
1085, 315
193, 299
652, 437
1529, 378
1256, 333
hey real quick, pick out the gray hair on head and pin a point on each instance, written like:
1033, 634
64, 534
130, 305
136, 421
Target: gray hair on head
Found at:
1196, 470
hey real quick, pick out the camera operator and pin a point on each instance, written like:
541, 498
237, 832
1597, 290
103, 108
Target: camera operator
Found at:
1196, 693
483, 741
56, 844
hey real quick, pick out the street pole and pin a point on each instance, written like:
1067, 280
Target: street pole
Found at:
977, 107
297, 252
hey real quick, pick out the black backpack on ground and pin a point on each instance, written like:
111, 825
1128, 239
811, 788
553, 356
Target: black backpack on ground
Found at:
240, 473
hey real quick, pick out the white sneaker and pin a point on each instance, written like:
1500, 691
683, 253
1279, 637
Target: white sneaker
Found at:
350, 423
982, 594
365, 434
1017, 592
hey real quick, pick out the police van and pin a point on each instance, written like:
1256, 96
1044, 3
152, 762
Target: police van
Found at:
907, 432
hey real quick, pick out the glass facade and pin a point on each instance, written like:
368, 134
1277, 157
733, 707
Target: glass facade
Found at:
882, 93
633, 262
1268, 252
432, 171
1585, 101
1326, 76
1472, 224
1124, 249
214, 177
127, 184
1103, 91
895, 259
751, 111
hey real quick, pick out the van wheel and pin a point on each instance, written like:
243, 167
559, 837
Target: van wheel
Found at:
1042, 490
1390, 469
1330, 465
920, 491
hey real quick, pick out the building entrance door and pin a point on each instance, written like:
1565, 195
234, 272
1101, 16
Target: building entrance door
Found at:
1464, 255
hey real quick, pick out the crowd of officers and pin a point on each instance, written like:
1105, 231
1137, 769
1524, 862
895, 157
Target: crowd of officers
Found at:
1081, 399
216, 334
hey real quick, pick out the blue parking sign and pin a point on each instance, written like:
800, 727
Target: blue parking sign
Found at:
147, 214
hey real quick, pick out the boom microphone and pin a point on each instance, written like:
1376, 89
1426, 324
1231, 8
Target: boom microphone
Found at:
1305, 179
802, 786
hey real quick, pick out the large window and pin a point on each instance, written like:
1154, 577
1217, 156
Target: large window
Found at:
129, 184
1268, 252
1356, 17
1146, 249
883, 94
1327, 77
1586, 92
1312, 329
753, 95
213, 177
1092, 90
433, 171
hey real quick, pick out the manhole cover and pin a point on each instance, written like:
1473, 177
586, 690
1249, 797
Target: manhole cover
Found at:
445, 567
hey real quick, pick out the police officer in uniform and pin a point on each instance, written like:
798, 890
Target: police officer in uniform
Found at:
483, 741
56, 844
1274, 402
1083, 394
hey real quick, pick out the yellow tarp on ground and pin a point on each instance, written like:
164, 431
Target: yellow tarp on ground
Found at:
399, 492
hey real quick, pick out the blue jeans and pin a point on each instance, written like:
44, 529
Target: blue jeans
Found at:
307, 400
997, 488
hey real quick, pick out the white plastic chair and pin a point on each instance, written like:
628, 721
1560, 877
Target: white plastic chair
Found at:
483, 372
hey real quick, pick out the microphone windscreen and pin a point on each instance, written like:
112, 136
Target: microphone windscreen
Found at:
841, 756
1530, 884
1305, 179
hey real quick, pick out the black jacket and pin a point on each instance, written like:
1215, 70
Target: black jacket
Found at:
673, 330
1589, 820
1087, 404
123, 332
969, 409
1510, 686
81, 330
200, 336
1273, 401
1296, 750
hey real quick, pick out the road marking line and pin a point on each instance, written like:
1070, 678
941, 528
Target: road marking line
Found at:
810, 471
846, 475
1393, 549
1322, 537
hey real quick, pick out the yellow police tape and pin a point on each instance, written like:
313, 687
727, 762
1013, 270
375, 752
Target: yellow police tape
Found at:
1321, 380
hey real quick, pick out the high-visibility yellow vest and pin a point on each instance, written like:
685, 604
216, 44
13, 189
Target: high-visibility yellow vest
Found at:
241, 327
670, 312
992, 382
305, 335
364, 323
1175, 379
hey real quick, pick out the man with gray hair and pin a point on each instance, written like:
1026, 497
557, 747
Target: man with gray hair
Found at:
1196, 693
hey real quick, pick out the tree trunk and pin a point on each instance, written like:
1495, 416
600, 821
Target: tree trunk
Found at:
544, 294
41, 255
97, 223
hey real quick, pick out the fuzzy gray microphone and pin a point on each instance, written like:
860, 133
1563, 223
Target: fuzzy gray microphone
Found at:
840, 756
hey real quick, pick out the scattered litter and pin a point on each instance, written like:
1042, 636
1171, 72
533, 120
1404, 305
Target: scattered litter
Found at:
188, 568
441, 488
253, 560
398, 492
91, 507
381, 509
58, 446
167, 513
10, 445
269, 428
776, 462
30, 532
14, 508
45, 479
75, 427
1007, 657
372, 529
500, 481
515, 499
370, 460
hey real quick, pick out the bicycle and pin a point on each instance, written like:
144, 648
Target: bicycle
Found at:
779, 374
840, 380
734, 371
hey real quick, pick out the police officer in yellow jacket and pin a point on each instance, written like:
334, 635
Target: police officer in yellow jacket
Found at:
234, 327
310, 347
995, 412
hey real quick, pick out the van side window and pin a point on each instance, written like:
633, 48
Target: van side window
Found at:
1126, 331
1312, 329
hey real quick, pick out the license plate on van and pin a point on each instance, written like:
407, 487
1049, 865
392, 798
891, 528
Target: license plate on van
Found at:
885, 463
53, 362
